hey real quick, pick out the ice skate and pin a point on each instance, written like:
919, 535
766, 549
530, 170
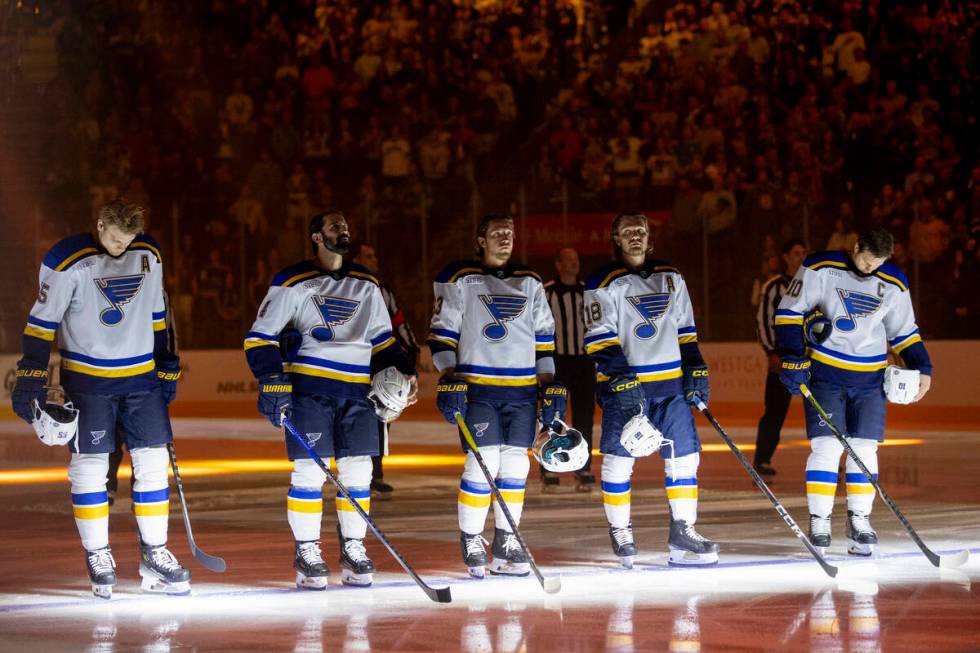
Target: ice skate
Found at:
474, 554
820, 533
356, 567
584, 481
311, 571
688, 547
509, 558
550, 482
101, 571
861, 538
161, 572
381, 491
623, 544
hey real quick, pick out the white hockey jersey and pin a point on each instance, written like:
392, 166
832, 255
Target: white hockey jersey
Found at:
343, 328
869, 313
494, 326
108, 313
642, 323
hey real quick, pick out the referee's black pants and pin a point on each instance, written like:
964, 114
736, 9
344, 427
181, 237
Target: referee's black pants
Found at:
577, 373
771, 422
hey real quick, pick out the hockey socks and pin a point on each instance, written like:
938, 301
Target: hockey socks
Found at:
90, 501
151, 493
304, 501
511, 479
681, 484
354, 472
821, 475
473, 500
616, 472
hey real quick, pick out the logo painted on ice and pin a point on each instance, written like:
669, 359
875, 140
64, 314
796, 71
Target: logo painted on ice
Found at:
97, 436
334, 311
856, 304
650, 307
502, 308
118, 291
313, 437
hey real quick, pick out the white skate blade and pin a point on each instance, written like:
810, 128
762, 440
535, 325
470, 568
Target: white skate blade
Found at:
552, 584
348, 577
154, 585
501, 567
626, 561
315, 583
954, 560
102, 591
683, 558
855, 548
477, 572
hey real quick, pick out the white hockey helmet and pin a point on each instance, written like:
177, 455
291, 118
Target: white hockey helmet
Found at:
391, 393
56, 422
565, 451
640, 437
901, 385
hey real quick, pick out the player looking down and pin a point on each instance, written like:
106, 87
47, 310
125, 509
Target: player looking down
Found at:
640, 332
493, 338
867, 301
344, 337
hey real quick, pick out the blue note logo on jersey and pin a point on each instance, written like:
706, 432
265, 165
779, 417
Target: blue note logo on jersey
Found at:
502, 308
856, 304
118, 291
650, 307
334, 311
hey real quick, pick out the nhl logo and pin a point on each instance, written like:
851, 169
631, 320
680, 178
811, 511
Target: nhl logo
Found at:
97, 436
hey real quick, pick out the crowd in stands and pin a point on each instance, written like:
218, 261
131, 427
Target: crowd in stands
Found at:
739, 123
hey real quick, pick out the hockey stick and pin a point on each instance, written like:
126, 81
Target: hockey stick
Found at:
437, 594
952, 560
552, 584
827, 567
214, 563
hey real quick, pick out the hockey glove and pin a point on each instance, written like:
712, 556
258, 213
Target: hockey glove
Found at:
794, 372
696, 385
626, 396
28, 387
275, 395
167, 374
451, 397
554, 399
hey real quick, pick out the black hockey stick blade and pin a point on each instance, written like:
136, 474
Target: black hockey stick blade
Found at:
436, 594
213, 563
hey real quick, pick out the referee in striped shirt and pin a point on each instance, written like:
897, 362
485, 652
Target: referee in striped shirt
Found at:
777, 396
573, 367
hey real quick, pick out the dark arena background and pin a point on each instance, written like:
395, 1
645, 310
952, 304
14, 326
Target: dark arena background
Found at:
737, 128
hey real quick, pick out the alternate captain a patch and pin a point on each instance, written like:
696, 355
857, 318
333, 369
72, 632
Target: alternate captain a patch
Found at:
118, 291
334, 311
502, 309
651, 308
856, 304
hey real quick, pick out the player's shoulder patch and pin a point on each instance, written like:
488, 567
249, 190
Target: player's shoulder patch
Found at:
296, 273
521, 270
361, 272
70, 251
894, 275
605, 275
148, 243
822, 260
458, 269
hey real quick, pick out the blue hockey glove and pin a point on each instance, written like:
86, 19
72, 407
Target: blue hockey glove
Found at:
28, 387
275, 394
451, 397
554, 399
696, 384
167, 374
793, 372
627, 396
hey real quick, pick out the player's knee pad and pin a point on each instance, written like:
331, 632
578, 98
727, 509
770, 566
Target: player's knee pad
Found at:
617, 469
825, 452
683, 466
150, 468
491, 458
306, 473
866, 450
514, 463
355, 471
87, 472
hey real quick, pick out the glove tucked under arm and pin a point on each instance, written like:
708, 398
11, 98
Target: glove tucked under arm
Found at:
275, 395
451, 397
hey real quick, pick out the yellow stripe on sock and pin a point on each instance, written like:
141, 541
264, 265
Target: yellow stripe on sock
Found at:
512, 496
821, 488
860, 488
91, 512
298, 505
161, 509
344, 506
474, 500
684, 492
616, 499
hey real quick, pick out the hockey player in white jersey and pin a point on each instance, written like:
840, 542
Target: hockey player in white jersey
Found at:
866, 300
640, 332
101, 294
493, 338
343, 339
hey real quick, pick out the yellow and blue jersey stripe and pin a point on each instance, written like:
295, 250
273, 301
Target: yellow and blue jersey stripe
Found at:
328, 369
107, 367
905, 341
498, 376
851, 362
38, 328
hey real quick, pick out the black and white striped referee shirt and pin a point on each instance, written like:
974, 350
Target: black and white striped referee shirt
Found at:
772, 292
567, 307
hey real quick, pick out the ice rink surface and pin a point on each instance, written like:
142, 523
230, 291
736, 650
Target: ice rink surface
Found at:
765, 595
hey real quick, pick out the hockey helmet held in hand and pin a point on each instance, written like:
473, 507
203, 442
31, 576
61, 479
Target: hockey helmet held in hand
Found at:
56, 422
560, 451
901, 385
640, 437
391, 392
817, 327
